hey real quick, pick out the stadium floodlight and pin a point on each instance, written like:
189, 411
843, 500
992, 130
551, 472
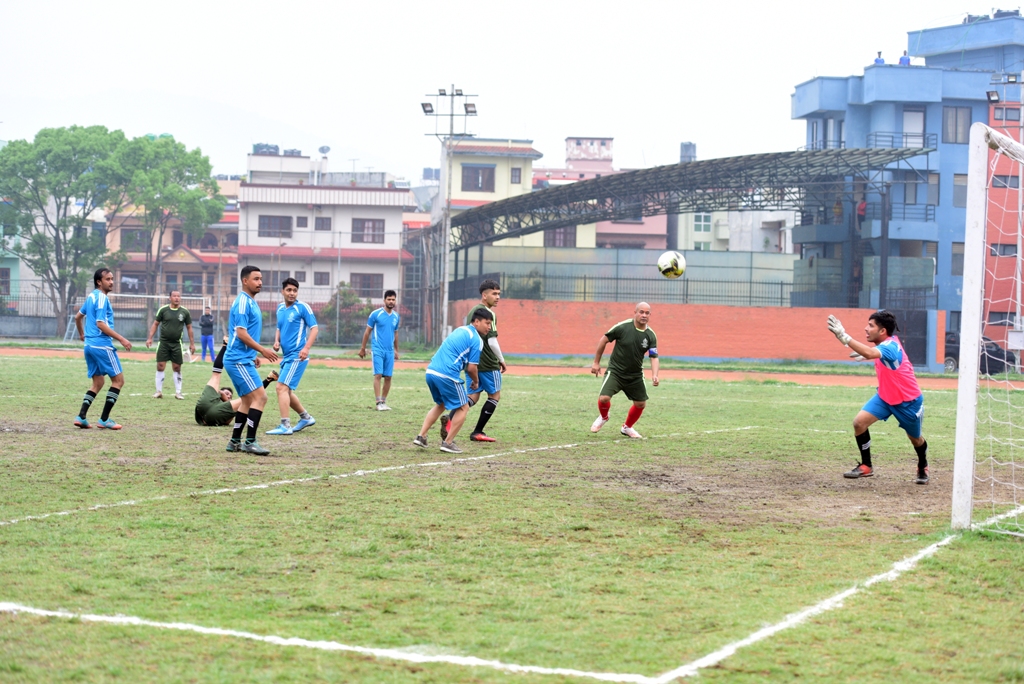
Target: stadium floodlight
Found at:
441, 92
458, 92
427, 107
1012, 78
470, 109
993, 96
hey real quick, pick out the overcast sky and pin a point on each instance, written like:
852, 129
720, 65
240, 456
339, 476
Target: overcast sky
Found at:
351, 75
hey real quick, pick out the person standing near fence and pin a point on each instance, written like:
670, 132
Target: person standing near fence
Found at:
173, 319
206, 332
383, 326
100, 355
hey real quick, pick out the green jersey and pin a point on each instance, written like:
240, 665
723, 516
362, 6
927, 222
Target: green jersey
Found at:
211, 410
627, 359
172, 323
488, 360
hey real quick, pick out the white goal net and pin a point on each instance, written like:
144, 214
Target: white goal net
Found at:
988, 473
133, 313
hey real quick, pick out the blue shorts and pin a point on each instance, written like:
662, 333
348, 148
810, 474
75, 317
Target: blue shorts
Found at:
490, 382
383, 363
244, 377
291, 372
449, 393
909, 414
102, 361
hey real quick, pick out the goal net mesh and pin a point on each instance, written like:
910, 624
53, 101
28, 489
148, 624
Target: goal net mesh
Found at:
133, 313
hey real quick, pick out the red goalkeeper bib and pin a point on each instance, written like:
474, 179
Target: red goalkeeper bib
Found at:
896, 380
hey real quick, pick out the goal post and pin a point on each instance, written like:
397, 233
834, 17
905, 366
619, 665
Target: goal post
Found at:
989, 444
133, 312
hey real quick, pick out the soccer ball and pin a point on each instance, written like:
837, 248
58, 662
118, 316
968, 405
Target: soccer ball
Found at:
671, 264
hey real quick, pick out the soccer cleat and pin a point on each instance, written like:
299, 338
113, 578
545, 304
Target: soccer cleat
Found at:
420, 441
179, 395
444, 428
922, 476
158, 395
234, 445
450, 448
107, 424
631, 433
860, 470
281, 430
598, 424
82, 423
304, 423
383, 407
481, 437
254, 448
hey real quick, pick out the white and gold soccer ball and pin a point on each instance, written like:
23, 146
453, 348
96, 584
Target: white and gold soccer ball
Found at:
672, 264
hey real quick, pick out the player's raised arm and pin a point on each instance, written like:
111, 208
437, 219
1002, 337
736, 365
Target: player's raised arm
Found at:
866, 351
602, 343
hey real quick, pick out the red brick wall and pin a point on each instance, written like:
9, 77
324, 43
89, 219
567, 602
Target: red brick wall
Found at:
690, 330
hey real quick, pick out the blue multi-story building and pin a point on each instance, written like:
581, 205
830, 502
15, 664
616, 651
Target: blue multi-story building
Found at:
968, 68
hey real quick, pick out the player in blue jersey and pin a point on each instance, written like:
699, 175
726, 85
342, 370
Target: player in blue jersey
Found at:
459, 352
100, 355
382, 326
296, 333
245, 325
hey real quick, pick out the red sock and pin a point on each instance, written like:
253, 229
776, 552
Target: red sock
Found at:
603, 408
634, 415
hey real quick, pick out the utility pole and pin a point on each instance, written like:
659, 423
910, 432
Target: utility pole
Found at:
883, 273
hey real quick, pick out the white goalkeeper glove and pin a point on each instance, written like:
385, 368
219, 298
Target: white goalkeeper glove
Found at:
857, 357
837, 329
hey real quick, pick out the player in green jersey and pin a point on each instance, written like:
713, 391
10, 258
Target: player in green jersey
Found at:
490, 368
173, 319
633, 339
215, 405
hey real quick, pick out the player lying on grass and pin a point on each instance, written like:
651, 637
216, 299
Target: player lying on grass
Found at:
898, 393
459, 351
296, 333
633, 339
100, 355
215, 405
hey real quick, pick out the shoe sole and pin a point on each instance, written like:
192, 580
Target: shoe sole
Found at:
473, 438
858, 476
300, 429
419, 444
451, 451
83, 427
283, 434
108, 427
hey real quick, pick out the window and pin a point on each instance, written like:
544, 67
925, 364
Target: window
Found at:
954, 321
368, 284
176, 238
957, 259
192, 284
1001, 317
1005, 249
560, 237
1013, 114
814, 135
932, 194
322, 278
322, 223
997, 114
211, 279
702, 246
956, 124
231, 241
275, 226
5, 281
209, 242
368, 230
910, 181
133, 283
517, 175
1005, 181
134, 240
274, 278
960, 190
477, 178
301, 222
702, 223
172, 282
99, 228
300, 276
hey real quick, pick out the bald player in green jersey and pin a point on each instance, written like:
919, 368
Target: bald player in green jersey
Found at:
633, 340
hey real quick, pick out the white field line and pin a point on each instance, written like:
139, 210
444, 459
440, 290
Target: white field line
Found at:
281, 483
836, 601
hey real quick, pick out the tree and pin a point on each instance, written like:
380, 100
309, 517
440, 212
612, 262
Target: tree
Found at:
168, 186
52, 186
343, 319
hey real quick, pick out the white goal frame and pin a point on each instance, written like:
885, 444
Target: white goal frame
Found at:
982, 139
71, 332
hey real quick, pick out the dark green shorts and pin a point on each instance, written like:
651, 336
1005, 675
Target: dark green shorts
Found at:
169, 351
210, 410
634, 388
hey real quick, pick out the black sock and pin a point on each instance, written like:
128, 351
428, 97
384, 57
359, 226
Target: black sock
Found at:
109, 403
922, 455
253, 422
864, 444
240, 418
218, 363
267, 381
86, 403
489, 407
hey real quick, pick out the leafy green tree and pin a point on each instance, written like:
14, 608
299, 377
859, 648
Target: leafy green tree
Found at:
343, 319
52, 186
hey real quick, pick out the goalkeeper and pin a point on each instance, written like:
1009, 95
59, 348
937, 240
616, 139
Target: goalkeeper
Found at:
898, 393
215, 405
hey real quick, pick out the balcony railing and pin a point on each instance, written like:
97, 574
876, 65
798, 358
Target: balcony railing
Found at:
825, 145
904, 212
894, 140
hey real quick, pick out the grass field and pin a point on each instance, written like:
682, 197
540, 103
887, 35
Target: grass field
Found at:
603, 555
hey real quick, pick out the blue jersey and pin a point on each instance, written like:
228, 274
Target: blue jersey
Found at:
383, 326
294, 322
245, 313
458, 350
892, 354
97, 308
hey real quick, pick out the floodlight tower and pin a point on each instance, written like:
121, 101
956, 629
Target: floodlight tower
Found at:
468, 110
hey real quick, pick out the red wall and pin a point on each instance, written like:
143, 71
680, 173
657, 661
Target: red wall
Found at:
690, 330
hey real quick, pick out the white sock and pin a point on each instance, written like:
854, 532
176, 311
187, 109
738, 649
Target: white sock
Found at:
177, 383
159, 381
